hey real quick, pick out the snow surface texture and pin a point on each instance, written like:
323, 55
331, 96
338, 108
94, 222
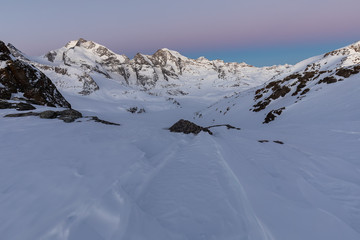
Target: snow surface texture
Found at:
91, 181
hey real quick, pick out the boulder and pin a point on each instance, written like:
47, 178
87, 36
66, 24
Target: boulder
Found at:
69, 115
185, 126
48, 114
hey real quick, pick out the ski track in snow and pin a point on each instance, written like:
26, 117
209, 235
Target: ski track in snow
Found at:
137, 181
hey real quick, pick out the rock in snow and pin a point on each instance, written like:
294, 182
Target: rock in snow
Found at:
185, 126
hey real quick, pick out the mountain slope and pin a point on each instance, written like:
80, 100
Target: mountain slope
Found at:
314, 78
19, 79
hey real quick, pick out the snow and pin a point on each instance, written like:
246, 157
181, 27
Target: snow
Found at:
86, 180
3, 64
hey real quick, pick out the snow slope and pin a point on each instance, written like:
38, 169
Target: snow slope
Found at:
86, 180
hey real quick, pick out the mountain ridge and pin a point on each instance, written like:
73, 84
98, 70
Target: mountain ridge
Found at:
81, 60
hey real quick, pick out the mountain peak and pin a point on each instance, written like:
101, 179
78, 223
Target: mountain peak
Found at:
85, 44
355, 46
165, 54
80, 41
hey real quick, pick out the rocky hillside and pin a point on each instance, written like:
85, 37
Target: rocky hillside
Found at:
81, 64
21, 80
287, 90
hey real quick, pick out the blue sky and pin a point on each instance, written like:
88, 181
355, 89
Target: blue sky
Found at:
260, 32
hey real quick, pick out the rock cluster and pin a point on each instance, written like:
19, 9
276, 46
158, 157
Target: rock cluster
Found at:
69, 115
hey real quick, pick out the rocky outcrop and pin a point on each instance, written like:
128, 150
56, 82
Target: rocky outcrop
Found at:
20, 106
187, 127
23, 79
67, 116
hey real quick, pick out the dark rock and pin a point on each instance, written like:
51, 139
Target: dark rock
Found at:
18, 106
185, 126
22, 114
51, 56
305, 91
48, 114
136, 110
228, 126
69, 115
4, 52
328, 80
24, 106
347, 72
277, 91
5, 105
273, 114
96, 119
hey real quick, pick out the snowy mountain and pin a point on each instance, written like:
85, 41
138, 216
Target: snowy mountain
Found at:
288, 90
282, 161
81, 64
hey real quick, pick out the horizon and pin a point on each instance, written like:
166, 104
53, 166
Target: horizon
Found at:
275, 34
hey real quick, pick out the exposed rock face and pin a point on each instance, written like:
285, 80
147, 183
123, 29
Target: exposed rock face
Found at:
19, 77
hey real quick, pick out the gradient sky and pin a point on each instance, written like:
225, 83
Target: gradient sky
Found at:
259, 32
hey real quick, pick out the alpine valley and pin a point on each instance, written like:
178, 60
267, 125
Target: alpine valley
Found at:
98, 146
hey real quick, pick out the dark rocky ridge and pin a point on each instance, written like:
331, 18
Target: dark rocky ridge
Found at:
19, 77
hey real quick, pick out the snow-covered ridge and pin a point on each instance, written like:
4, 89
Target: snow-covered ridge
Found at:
80, 64
289, 88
